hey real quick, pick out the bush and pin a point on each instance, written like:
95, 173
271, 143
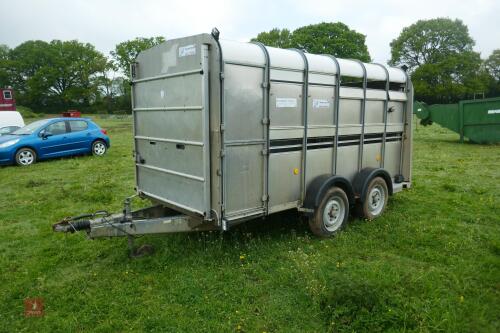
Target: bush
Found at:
25, 111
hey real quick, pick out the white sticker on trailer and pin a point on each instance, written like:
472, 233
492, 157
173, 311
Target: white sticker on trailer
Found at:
286, 102
187, 50
493, 111
321, 103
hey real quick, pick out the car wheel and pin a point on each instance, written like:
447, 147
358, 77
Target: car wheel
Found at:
25, 156
375, 199
331, 215
99, 148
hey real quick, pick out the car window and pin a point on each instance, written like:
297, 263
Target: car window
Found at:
56, 128
29, 129
78, 125
8, 129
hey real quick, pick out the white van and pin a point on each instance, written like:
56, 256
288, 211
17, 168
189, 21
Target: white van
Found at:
10, 121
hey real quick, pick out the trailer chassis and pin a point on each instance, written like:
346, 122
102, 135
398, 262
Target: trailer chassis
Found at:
155, 219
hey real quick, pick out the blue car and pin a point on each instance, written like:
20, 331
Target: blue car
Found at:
51, 138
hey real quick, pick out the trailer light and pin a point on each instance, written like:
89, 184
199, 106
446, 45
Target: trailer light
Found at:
103, 131
296, 171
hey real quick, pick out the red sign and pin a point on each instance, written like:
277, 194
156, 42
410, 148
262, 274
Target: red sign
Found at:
7, 101
33, 307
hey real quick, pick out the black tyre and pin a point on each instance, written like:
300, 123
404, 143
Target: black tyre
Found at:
375, 200
99, 148
332, 213
25, 157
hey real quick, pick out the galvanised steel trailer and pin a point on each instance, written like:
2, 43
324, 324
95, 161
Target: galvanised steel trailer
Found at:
226, 132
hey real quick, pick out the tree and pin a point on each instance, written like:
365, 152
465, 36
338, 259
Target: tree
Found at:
276, 38
332, 38
492, 67
440, 57
456, 77
59, 73
430, 41
323, 38
126, 51
4, 58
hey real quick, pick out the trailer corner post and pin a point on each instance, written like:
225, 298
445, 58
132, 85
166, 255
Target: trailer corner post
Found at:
386, 105
406, 125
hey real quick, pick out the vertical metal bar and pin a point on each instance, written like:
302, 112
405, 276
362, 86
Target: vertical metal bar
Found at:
133, 74
305, 101
222, 164
363, 107
206, 129
405, 126
266, 123
461, 120
336, 113
386, 105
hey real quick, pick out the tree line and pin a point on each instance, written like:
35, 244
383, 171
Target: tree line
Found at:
58, 75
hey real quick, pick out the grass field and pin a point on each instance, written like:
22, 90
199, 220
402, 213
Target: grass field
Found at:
431, 263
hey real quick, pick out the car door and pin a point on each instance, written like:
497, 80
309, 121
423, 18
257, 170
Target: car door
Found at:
53, 140
78, 137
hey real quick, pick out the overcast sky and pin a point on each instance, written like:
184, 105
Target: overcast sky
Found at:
105, 23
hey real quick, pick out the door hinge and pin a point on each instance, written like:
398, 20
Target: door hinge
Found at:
222, 153
265, 121
222, 127
265, 152
221, 75
265, 198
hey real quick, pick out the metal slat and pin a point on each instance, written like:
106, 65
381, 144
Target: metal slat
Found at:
171, 172
305, 100
363, 109
336, 114
266, 122
166, 76
171, 108
184, 142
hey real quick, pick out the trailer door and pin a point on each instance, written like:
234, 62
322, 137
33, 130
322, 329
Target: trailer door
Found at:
171, 127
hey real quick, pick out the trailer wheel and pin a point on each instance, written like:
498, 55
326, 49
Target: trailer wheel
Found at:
332, 213
375, 200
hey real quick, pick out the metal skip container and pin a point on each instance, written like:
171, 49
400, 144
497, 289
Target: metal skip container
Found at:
227, 131
478, 119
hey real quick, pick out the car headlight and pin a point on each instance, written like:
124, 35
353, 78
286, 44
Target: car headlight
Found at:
8, 143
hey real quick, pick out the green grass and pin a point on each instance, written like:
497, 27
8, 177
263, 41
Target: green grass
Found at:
431, 263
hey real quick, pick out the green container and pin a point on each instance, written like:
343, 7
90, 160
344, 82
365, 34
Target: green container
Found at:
478, 120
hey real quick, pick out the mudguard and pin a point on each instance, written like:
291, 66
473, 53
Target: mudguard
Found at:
318, 187
363, 178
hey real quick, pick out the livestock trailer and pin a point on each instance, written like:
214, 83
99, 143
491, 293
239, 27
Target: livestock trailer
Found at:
228, 131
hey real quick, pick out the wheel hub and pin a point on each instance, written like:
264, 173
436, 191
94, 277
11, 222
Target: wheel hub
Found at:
333, 214
99, 148
376, 199
26, 157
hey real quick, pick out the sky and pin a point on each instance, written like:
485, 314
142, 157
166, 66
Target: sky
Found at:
105, 23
